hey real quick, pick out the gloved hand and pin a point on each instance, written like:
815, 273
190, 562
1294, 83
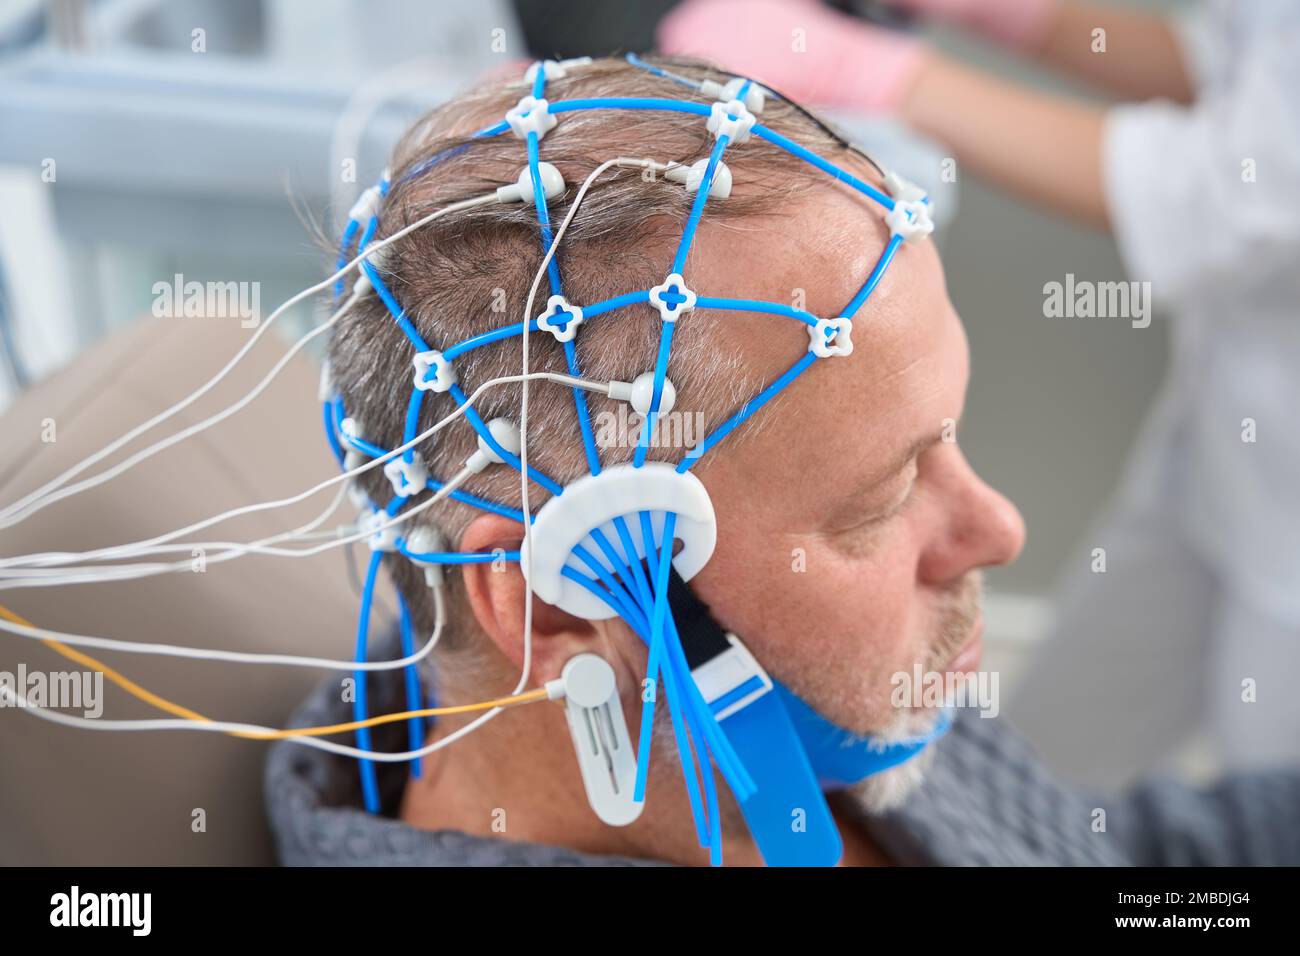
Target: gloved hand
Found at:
801, 48
1019, 24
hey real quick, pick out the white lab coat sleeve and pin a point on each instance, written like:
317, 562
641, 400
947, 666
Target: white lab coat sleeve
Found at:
1203, 193
1209, 37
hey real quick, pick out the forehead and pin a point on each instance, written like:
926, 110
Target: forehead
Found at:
845, 416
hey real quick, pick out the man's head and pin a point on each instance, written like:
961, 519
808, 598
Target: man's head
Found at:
850, 533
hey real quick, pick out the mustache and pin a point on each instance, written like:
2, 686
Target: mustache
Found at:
961, 609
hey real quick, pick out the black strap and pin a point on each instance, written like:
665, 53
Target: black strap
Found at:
702, 636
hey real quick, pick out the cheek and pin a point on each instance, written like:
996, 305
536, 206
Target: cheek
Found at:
864, 605
832, 625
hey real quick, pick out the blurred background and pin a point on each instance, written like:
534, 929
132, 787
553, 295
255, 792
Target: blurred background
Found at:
141, 138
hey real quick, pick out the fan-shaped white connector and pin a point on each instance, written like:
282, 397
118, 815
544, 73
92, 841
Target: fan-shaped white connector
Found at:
593, 502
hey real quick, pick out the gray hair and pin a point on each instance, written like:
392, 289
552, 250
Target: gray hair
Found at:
470, 272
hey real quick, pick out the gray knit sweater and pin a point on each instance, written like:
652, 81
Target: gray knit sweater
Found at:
987, 800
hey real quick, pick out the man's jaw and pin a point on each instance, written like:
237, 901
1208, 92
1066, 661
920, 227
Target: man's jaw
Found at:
956, 649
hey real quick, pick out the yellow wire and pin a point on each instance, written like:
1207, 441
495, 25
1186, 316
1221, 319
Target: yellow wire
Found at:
528, 698
149, 697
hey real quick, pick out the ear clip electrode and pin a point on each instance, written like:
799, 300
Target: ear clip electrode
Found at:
600, 738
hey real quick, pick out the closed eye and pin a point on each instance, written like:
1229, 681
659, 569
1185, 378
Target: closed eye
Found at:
863, 534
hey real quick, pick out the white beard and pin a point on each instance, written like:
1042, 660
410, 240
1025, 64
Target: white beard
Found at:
890, 788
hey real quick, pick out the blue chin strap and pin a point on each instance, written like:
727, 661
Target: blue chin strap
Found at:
794, 754
841, 758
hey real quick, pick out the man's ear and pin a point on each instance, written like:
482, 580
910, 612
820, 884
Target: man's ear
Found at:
496, 592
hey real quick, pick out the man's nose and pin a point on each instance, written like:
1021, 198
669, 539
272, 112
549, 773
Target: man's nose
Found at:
983, 528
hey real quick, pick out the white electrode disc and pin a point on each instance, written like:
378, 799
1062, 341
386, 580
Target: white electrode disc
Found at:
592, 503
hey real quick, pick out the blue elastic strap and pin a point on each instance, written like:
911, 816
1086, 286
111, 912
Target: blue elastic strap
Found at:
369, 784
414, 726
787, 814
349, 234
746, 410
841, 758
335, 448
412, 426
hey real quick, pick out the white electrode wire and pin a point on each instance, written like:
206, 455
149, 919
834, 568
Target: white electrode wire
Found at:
329, 746
303, 533
163, 444
233, 549
15, 698
39, 498
19, 701
57, 558
526, 546
235, 657
81, 640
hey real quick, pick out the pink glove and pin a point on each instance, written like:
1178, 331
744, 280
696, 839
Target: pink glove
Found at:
803, 49
1019, 24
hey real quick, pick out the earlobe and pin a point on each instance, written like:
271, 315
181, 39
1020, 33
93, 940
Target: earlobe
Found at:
496, 594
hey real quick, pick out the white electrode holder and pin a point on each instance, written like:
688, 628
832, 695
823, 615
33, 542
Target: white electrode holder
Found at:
693, 175
367, 205
408, 478
600, 739
592, 503
381, 535
444, 373
522, 188
755, 97
506, 434
831, 337
554, 69
731, 119
561, 318
425, 539
666, 295
912, 217
639, 393
530, 115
